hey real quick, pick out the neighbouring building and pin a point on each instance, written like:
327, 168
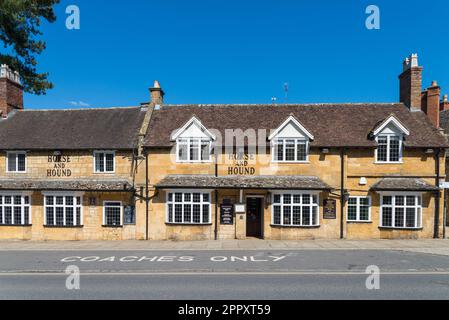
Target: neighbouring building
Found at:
193, 172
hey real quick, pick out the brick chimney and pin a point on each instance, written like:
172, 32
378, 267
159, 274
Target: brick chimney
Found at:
431, 103
410, 82
157, 94
11, 91
444, 105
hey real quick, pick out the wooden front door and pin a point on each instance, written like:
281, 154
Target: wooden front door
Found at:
254, 217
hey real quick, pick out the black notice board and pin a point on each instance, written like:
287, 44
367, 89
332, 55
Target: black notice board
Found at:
329, 209
227, 214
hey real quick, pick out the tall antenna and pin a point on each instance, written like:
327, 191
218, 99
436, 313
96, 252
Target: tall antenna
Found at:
286, 90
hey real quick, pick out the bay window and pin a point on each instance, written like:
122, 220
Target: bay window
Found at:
401, 211
15, 209
63, 210
188, 207
295, 209
193, 149
290, 150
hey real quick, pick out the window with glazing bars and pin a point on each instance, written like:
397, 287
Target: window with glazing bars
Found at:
290, 150
15, 210
104, 161
63, 210
16, 161
295, 209
388, 148
112, 213
188, 208
401, 211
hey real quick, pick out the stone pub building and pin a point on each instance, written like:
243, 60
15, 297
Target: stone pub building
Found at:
193, 172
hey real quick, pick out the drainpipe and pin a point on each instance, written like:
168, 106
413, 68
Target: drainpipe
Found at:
437, 194
342, 191
216, 201
147, 199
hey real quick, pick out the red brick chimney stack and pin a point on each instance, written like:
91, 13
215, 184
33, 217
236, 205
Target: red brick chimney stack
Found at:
11, 91
410, 83
431, 103
444, 105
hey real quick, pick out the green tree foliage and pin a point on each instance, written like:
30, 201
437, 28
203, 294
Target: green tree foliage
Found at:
19, 31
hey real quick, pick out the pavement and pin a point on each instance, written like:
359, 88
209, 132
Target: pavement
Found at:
431, 246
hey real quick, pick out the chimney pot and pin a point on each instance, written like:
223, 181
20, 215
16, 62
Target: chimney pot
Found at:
434, 83
445, 98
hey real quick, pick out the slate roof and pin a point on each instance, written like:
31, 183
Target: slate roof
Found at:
243, 182
332, 125
444, 121
67, 185
99, 128
403, 184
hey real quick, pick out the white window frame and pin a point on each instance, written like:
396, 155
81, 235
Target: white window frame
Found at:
274, 143
201, 203
358, 209
388, 136
104, 213
282, 205
74, 195
418, 208
96, 152
8, 153
200, 154
12, 205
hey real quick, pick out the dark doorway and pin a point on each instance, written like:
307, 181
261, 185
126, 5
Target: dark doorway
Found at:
254, 217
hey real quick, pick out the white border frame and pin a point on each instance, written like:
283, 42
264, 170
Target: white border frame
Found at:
104, 159
200, 191
358, 210
295, 192
394, 194
273, 150
188, 151
29, 205
104, 213
64, 194
401, 149
7, 162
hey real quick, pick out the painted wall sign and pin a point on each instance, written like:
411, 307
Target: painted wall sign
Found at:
58, 165
227, 214
329, 209
241, 165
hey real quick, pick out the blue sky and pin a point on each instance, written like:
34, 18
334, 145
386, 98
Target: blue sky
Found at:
229, 51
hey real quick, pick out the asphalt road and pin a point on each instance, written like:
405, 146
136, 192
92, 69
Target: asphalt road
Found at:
223, 275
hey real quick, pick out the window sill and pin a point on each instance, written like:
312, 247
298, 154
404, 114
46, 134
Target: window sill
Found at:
15, 225
394, 228
187, 224
388, 162
111, 226
63, 227
295, 227
290, 162
354, 221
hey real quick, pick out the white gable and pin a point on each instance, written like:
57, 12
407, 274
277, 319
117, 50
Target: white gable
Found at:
193, 129
291, 128
391, 126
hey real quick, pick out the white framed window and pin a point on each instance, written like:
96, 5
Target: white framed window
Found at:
389, 148
193, 150
112, 213
290, 150
104, 161
188, 207
298, 209
359, 209
63, 209
401, 211
16, 161
15, 209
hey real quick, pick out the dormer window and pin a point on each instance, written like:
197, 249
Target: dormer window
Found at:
389, 148
389, 136
193, 149
290, 142
290, 150
193, 142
